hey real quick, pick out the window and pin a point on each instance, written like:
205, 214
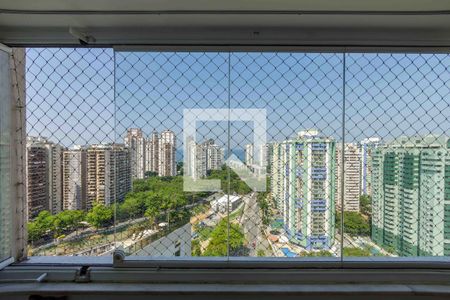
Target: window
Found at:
189, 154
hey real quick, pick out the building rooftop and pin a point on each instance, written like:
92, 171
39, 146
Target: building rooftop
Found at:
224, 199
427, 141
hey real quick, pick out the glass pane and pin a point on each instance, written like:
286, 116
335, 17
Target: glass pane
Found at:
237, 154
70, 152
177, 146
397, 132
300, 97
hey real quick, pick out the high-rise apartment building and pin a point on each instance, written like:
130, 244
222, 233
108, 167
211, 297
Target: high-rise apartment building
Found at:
108, 174
303, 186
352, 178
135, 141
201, 158
249, 154
196, 160
55, 180
263, 155
188, 167
411, 196
74, 178
270, 156
123, 181
367, 146
214, 153
167, 147
152, 153
51, 169
277, 169
37, 179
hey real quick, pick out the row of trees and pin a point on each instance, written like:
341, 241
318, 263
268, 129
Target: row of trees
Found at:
262, 199
48, 225
157, 198
263, 203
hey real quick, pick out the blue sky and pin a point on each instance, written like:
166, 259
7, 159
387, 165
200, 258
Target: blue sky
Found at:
73, 97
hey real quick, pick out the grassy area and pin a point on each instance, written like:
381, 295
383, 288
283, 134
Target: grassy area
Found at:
204, 232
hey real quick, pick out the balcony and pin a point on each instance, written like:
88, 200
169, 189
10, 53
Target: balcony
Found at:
319, 173
299, 202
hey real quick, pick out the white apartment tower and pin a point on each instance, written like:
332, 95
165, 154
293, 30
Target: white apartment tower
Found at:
303, 187
152, 153
201, 158
367, 146
74, 178
55, 181
135, 141
352, 176
249, 154
167, 147
108, 174
198, 160
263, 155
214, 155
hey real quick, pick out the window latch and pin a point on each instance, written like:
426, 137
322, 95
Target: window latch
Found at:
83, 274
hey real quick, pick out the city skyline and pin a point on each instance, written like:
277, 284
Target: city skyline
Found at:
77, 178
306, 206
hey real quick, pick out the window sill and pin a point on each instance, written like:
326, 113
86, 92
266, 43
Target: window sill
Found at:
238, 291
238, 276
429, 263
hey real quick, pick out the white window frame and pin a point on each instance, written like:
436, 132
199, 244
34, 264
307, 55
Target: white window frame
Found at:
17, 137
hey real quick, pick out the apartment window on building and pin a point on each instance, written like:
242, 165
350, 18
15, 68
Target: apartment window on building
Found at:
219, 154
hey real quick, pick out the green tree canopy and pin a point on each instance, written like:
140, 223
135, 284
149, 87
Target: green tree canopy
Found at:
41, 226
219, 239
67, 220
354, 223
365, 205
100, 216
236, 184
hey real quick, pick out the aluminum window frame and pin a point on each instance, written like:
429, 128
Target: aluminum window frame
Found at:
17, 137
119, 261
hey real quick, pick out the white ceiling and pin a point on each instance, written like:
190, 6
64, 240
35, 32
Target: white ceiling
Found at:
238, 22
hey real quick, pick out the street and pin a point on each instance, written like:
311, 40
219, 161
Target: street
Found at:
251, 222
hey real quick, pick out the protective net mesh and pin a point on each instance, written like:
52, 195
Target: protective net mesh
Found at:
237, 154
